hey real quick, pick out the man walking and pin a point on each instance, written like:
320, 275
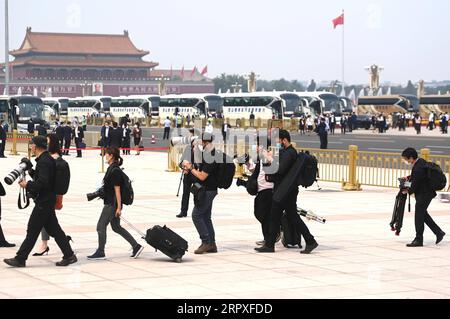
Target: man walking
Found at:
42, 188
78, 135
420, 186
167, 124
67, 138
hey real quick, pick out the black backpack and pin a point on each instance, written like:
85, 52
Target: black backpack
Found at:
225, 170
126, 189
436, 176
309, 171
62, 177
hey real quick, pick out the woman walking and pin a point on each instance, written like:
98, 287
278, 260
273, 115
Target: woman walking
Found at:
112, 210
137, 135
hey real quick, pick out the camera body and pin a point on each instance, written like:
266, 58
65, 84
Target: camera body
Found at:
100, 193
244, 159
24, 166
404, 183
240, 182
196, 188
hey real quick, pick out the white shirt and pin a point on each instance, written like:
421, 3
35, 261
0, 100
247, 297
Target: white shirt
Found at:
167, 123
309, 122
124, 132
76, 131
107, 132
262, 183
431, 118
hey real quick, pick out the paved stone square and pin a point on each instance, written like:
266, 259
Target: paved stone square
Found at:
358, 257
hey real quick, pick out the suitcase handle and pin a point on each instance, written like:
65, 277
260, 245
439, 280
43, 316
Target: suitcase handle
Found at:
132, 226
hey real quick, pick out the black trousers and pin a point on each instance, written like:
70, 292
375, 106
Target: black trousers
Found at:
78, 146
323, 142
263, 205
422, 217
66, 146
2, 148
61, 143
166, 133
187, 183
332, 128
126, 145
44, 217
290, 206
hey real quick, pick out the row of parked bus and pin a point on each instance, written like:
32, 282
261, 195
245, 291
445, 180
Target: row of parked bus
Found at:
263, 105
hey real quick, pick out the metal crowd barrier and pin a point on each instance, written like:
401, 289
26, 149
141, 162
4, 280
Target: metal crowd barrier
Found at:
352, 168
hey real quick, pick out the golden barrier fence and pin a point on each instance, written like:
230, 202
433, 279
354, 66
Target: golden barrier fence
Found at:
351, 167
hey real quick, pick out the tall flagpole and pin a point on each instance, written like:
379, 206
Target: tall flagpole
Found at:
343, 49
6, 49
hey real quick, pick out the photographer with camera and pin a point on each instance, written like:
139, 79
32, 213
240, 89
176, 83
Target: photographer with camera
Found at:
188, 155
204, 190
42, 190
424, 193
112, 210
287, 158
257, 185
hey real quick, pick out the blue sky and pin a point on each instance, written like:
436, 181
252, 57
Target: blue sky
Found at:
282, 38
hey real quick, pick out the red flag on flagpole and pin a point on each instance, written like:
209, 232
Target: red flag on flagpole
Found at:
338, 21
205, 71
193, 71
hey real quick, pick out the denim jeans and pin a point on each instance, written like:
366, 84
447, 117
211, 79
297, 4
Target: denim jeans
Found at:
201, 216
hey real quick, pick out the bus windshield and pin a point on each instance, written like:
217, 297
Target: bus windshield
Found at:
85, 104
106, 104
3, 106
215, 104
30, 109
248, 101
413, 101
331, 102
292, 102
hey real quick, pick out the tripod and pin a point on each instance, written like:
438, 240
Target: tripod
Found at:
181, 182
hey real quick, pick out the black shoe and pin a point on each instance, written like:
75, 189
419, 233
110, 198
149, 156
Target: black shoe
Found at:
415, 243
6, 245
13, 262
181, 215
68, 261
309, 248
440, 237
265, 249
45, 252
137, 251
98, 255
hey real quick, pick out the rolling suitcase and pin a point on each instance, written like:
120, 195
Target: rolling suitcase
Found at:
165, 240
289, 238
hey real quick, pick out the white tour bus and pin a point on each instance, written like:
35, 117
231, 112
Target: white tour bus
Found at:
264, 105
84, 106
198, 105
321, 102
58, 104
151, 107
135, 107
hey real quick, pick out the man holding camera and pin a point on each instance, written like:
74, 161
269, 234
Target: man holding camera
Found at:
188, 155
419, 185
42, 190
287, 158
204, 190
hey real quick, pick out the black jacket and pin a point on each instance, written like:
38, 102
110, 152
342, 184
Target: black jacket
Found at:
116, 137
106, 141
80, 132
42, 187
60, 132
419, 181
67, 130
287, 159
2, 133
42, 131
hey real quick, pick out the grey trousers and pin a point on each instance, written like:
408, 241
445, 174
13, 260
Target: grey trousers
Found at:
109, 216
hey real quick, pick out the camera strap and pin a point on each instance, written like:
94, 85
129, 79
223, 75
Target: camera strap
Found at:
23, 201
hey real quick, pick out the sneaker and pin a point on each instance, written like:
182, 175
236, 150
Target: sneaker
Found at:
97, 256
67, 262
137, 251
14, 262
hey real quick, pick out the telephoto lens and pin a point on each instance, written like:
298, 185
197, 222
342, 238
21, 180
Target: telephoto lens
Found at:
97, 194
25, 165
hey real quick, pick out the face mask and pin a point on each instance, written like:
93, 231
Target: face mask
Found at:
279, 145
